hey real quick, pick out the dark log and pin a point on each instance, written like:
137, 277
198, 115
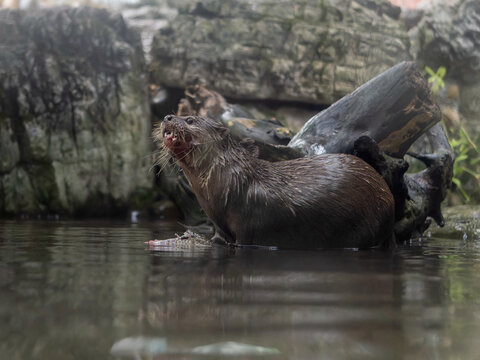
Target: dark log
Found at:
418, 196
427, 188
394, 109
174, 184
277, 152
391, 169
203, 102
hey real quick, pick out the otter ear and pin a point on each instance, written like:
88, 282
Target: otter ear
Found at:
223, 131
251, 146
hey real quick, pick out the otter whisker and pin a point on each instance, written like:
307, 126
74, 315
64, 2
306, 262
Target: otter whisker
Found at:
205, 142
167, 162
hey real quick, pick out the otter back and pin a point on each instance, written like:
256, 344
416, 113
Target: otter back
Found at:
326, 201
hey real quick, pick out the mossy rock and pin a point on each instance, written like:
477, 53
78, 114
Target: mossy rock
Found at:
75, 109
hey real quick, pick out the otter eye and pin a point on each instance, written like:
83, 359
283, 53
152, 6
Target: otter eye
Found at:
189, 121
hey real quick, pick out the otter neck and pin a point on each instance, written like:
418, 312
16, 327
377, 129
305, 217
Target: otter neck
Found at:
224, 168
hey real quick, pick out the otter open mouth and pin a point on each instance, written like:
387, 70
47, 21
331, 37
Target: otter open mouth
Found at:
169, 137
178, 145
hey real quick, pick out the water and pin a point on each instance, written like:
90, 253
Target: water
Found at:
71, 290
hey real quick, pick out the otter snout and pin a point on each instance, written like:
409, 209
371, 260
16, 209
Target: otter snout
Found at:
176, 136
172, 125
170, 133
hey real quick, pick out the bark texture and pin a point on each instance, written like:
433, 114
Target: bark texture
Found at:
394, 109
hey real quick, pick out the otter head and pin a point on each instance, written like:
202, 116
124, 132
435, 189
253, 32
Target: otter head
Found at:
191, 140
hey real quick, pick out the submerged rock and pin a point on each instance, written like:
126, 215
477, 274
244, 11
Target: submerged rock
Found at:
139, 347
74, 115
462, 222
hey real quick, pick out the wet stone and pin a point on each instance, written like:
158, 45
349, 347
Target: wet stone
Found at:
461, 221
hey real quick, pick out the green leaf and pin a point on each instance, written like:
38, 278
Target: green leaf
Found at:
464, 194
441, 72
474, 161
457, 182
461, 157
429, 70
454, 143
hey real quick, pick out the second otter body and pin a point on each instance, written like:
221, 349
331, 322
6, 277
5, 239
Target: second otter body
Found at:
323, 201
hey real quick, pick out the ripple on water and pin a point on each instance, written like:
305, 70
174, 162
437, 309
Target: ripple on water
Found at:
73, 289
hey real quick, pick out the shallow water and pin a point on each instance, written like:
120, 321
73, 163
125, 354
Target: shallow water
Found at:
72, 289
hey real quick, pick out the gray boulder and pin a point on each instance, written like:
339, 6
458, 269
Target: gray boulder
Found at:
449, 35
74, 116
307, 51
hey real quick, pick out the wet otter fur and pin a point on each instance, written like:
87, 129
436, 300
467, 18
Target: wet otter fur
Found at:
322, 201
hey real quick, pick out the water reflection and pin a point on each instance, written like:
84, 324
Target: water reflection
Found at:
70, 290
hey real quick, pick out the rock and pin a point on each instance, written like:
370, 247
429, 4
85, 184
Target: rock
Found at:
74, 115
148, 20
284, 50
165, 209
462, 222
411, 17
449, 35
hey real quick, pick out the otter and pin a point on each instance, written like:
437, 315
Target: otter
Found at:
321, 201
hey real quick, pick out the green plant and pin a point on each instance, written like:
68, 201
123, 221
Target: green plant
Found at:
467, 162
436, 78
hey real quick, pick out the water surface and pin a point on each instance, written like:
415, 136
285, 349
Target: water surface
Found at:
72, 289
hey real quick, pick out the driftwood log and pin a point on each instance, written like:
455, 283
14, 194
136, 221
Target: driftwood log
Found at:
378, 122
394, 109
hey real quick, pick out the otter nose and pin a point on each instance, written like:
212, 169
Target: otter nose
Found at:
168, 118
